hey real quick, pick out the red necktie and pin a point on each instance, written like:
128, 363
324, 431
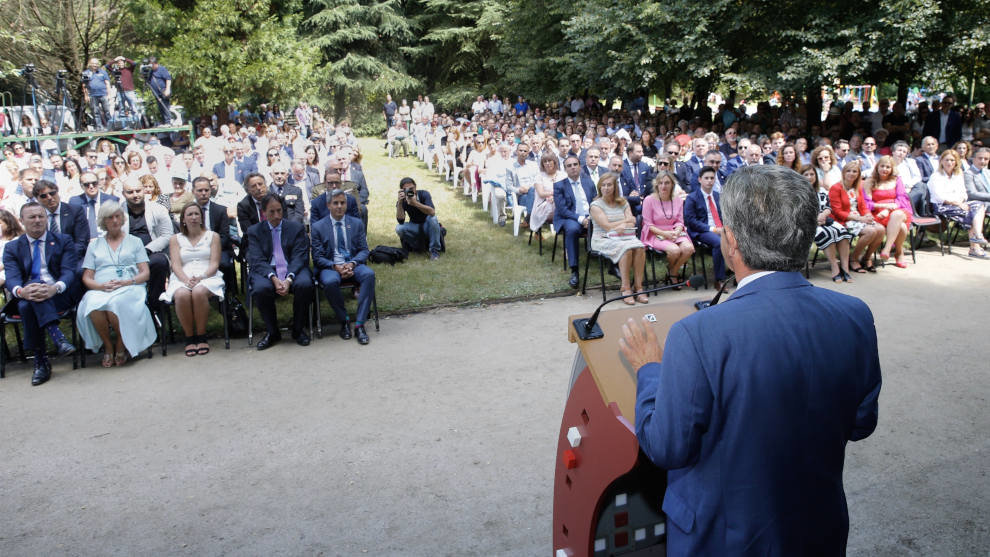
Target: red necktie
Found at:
711, 207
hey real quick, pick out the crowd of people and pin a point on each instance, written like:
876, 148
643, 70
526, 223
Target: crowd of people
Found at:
123, 233
872, 169
100, 227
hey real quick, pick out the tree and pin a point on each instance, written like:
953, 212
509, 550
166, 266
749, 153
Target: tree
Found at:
364, 46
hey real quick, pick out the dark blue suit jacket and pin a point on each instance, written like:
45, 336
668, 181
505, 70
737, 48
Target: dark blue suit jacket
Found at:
564, 202
60, 256
628, 184
953, 126
295, 246
750, 412
925, 166
101, 198
696, 212
325, 240
318, 207
72, 222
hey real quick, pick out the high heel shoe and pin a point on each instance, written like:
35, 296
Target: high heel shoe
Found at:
628, 301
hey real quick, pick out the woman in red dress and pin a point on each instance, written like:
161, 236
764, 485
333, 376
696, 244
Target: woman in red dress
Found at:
887, 199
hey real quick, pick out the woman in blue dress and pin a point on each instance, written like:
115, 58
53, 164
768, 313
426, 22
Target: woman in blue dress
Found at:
115, 271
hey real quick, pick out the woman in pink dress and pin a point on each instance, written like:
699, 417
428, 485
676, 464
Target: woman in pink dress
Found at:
663, 224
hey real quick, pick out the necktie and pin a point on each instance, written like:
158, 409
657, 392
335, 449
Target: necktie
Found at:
339, 232
206, 213
281, 265
36, 260
635, 173
53, 222
91, 217
261, 214
711, 207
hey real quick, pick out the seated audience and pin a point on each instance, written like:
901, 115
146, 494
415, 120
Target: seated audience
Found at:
40, 269
614, 236
572, 198
278, 259
825, 163
62, 217
848, 204
423, 227
636, 177
830, 236
115, 270
195, 256
340, 251
90, 200
292, 196
948, 192
663, 224
318, 206
550, 174
249, 210
977, 179
704, 220
887, 199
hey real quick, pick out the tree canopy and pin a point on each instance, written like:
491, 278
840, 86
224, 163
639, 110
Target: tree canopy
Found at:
351, 52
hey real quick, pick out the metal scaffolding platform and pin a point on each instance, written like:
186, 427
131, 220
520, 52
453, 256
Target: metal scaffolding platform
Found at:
97, 135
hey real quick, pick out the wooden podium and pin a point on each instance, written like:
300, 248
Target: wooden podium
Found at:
607, 495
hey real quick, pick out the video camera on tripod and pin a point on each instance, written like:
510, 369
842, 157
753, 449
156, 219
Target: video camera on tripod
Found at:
27, 71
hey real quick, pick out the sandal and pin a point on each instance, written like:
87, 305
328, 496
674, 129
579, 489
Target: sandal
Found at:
190, 346
846, 277
643, 298
203, 348
120, 359
628, 301
837, 277
107, 360
861, 269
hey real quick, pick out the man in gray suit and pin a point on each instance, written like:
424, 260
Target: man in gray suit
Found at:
978, 177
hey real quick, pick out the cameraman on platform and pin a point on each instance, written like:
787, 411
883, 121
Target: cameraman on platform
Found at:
160, 82
422, 225
96, 85
123, 68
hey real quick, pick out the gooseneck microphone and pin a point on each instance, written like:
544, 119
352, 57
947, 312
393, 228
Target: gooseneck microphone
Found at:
702, 305
587, 328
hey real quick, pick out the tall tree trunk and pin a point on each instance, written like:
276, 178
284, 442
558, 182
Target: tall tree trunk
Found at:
902, 89
339, 104
813, 105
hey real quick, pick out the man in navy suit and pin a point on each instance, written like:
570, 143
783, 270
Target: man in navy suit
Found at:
713, 159
41, 275
64, 218
751, 407
340, 251
319, 206
636, 178
291, 196
90, 201
572, 199
593, 168
688, 170
703, 218
928, 159
945, 124
228, 170
278, 256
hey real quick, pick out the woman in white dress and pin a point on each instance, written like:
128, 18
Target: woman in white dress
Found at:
195, 256
615, 236
550, 173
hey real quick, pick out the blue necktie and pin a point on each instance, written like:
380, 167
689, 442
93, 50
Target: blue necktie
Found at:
341, 247
91, 217
36, 261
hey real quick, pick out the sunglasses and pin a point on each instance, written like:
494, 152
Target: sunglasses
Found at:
333, 183
46, 195
663, 164
88, 184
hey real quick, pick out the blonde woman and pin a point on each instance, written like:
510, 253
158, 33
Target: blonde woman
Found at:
948, 191
887, 199
615, 236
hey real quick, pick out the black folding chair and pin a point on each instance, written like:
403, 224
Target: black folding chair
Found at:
9, 316
350, 285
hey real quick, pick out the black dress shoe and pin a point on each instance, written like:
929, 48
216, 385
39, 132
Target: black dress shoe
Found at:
574, 279
42, 373
268, 341
361, 334
302, 339
65, 348
345, 330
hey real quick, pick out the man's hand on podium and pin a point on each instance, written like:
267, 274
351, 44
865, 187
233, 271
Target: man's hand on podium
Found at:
639, 343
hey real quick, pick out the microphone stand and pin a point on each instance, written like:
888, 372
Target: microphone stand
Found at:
702, 305
587, 328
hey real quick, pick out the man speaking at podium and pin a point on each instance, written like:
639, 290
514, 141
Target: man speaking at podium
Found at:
754, 401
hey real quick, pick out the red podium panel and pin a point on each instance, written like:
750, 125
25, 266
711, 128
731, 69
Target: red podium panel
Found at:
607, 495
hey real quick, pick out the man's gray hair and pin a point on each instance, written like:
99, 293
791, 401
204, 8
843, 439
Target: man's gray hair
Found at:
772, 211
335, 193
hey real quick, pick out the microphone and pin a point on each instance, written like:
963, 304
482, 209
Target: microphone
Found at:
587, 327
702, 305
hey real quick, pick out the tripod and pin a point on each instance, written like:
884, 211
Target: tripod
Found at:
30, 84
63, 99
158, 101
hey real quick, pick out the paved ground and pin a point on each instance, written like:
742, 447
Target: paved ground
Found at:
438, 438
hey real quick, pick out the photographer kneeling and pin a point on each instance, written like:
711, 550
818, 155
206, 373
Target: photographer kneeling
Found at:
422, 225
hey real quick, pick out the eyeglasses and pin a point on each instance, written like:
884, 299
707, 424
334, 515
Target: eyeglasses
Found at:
88, 184
46, 195
90, 156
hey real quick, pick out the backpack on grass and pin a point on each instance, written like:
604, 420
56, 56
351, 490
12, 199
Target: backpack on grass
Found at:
388, 254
